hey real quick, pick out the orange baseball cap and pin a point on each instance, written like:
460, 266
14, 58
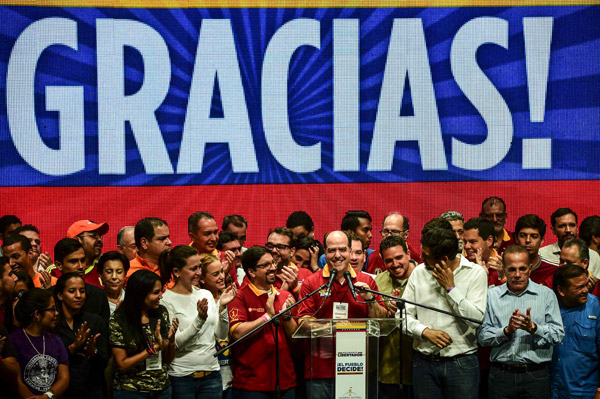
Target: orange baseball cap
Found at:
81, 226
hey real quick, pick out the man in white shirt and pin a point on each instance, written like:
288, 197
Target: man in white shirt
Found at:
445, 364
564, 227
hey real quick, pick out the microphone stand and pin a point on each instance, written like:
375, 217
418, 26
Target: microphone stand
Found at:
276, 321
398, 299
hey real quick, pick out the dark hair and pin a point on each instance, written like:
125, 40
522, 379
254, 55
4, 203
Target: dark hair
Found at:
145, 229
236, 220
195, 218
300, 218
4, 261
27, 227
437, 223
350, 220
65, 247
492, 199
563, 274
354, 237
307, 243
59, 288
514, 249
441, 242
139, 285
392, 241
588, 228
284, 231
225, 237
531, 221
176, 258
34, 300
583, 252
112, 255
18, 238
251, 256
405, 225
6, 221
484, 227
26, 278
121, 234
561, 212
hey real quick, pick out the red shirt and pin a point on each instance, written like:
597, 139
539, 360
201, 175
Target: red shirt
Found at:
303, 274
323, 361
255, 357
507, 241
544, 274
375, 262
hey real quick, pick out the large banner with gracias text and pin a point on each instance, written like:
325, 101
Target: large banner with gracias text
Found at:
146, 97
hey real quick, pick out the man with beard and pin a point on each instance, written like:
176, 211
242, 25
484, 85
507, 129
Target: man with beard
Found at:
394, 224
280, 242
257, 302
17, 249
564, 227
91, 237
494, 210
41, 260
575, 362
479, 248
394, 381
320, 376
458, 226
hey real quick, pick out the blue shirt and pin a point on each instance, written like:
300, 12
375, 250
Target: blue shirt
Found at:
574, 369
521, 347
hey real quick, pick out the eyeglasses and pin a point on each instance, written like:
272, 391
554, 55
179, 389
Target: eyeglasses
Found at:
95, 236
279, 247
52, 309
387, 232
267, 264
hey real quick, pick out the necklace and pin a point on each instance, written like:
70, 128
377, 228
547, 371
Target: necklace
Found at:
44, 369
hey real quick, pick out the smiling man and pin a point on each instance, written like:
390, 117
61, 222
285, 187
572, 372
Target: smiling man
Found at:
522, 323
17, 249
564, 227
494, 210
319, 377
575, 362
396, 258
204, 233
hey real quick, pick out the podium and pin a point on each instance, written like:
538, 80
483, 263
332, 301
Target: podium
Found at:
344, 354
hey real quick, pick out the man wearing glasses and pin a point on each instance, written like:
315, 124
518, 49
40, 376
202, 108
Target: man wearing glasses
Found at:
280, 242
494, 210
91, 237
394, 224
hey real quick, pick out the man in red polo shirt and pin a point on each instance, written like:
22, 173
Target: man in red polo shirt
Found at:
494, 210
256, 303
320, 376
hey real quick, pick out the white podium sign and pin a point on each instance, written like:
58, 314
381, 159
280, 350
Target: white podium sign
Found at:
351, 360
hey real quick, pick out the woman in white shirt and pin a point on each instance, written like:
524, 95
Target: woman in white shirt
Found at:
213, 279
194, 372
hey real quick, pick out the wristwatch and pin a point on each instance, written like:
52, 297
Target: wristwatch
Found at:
50, 395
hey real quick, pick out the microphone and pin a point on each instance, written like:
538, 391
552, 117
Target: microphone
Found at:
332, 275
348, 278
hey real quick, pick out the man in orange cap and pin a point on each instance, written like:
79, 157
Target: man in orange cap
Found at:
90, 235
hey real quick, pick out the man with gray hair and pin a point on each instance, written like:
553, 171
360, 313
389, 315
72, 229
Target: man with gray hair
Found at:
126, 242
457, 221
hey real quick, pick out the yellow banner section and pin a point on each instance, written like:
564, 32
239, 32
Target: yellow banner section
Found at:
295, 3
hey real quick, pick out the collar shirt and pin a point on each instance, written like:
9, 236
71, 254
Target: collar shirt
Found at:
521, 347
551, 254
467, 298
575, 362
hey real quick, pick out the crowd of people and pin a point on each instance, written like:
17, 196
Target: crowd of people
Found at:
153, 320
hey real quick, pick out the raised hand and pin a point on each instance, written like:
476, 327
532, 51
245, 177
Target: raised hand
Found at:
202, 306
228, 295
45, 279
80, 338
444, 275
172, 331
289, 276
269, 306
90, 346
227, 261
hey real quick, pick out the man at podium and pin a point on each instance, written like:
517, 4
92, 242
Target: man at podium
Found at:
340, 304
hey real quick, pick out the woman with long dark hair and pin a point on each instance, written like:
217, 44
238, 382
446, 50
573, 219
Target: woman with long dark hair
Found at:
41, 355
195, 372
142, 340
85, 336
